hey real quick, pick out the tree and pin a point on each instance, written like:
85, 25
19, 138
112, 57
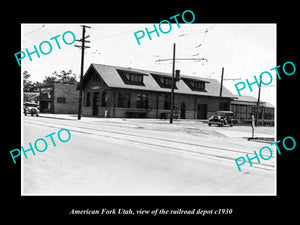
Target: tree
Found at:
49, 80
27, 84
64, 77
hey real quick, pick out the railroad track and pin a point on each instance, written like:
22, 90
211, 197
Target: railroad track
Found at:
220, 153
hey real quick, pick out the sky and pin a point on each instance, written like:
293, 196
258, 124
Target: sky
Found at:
244, 50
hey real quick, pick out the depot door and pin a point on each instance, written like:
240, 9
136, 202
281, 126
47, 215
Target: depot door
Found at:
182, 111
201, 111
95, 103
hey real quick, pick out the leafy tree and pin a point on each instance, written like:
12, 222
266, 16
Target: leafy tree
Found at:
27, 84
64, 77
50, 80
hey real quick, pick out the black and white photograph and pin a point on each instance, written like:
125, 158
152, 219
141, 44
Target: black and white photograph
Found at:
175, 112
130, 132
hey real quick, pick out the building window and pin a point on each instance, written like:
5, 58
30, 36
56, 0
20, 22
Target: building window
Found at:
104, 99
198, 85
242, 112
260, 109
269, 113
233, 108
135, 78
167, 101
164, 81
142, 101
123, 100
251, 110
61, 100
131, 78
195, 85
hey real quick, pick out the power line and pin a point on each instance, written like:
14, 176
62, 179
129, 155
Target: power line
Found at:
34, 30
233, 79
198, 59
114, 35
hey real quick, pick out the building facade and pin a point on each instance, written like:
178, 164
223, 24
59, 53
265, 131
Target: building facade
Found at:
111, 91
59, 98
245, 106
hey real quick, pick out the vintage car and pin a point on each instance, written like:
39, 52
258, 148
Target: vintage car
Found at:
222, 118
31, 108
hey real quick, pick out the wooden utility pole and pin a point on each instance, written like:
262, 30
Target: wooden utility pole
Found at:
173, 78
173, 84
221, 88
257, 104
82, 46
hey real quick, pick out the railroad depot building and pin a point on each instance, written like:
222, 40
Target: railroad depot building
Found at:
112, 91
58, 98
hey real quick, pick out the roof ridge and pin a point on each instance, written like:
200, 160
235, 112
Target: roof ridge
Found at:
152, 71
110, 76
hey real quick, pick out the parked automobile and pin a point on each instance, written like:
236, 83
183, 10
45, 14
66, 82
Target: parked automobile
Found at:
222, 118
31, 108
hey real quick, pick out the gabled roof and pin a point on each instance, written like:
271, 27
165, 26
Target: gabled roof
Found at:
250, 100
111, 77
246, 98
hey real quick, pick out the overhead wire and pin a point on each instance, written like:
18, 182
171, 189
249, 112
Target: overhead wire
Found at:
34, 30
114, 35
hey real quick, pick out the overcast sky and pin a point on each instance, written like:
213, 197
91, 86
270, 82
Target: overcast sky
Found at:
244, 50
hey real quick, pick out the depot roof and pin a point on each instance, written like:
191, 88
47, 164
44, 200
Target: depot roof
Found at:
112, 78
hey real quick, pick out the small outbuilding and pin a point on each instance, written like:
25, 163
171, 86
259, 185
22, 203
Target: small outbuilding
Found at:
59, 98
